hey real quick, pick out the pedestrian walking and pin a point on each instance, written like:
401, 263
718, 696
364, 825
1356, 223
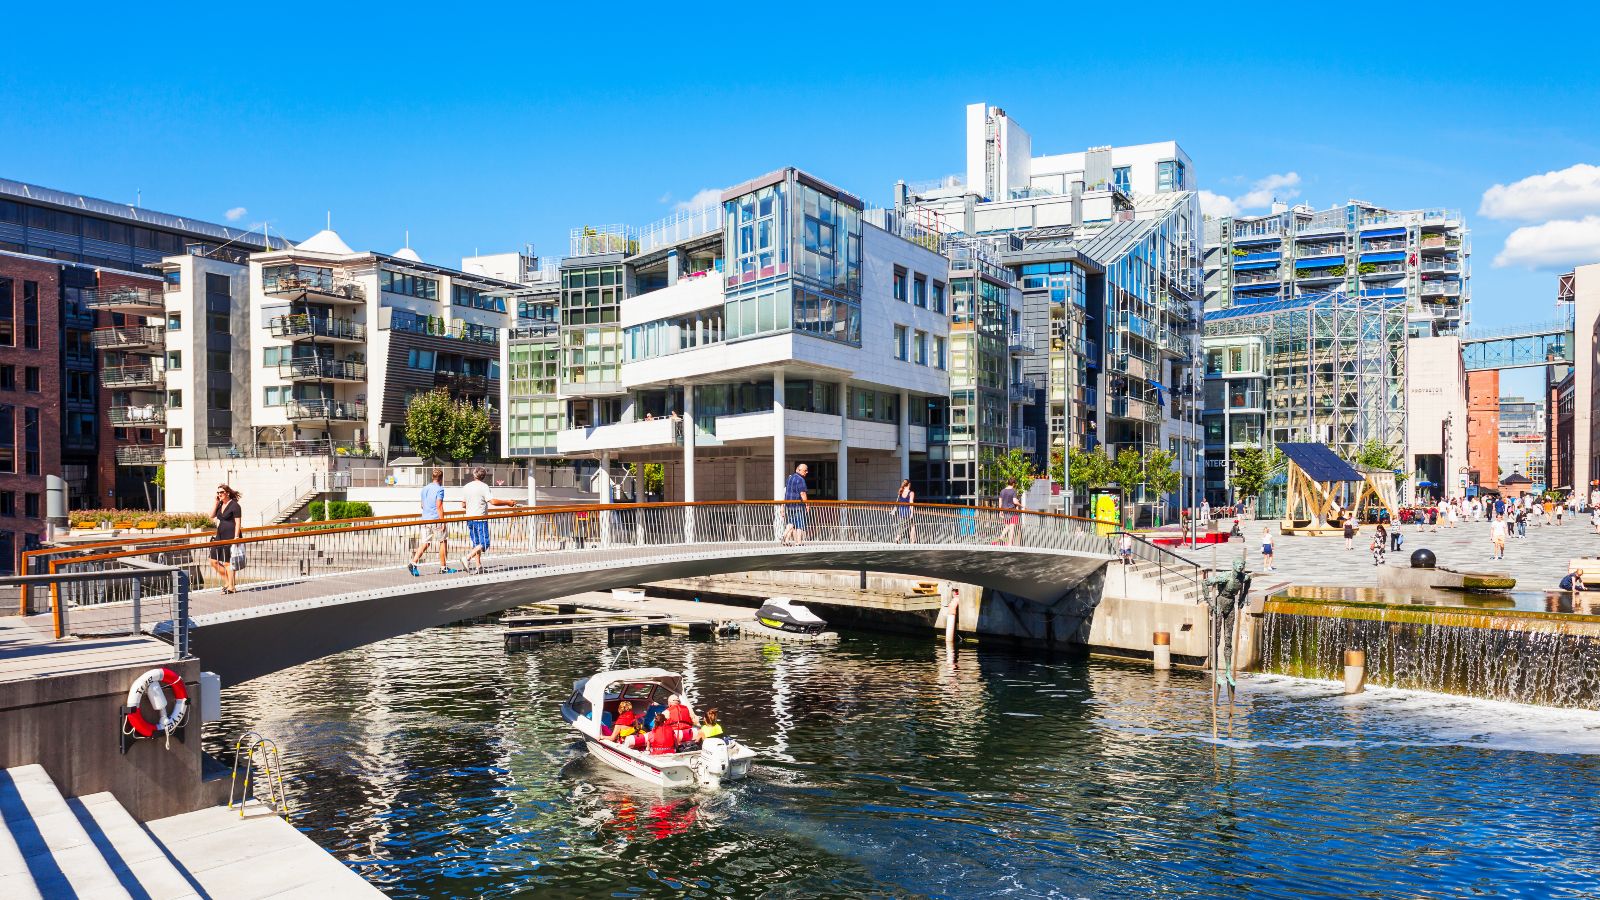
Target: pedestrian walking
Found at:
1205, 514
227, 514
1395, 540
1349, 533
1497, 537
1594, 519
795, 498
1522, 522
1266, 549
1380, 545
479, 498
905, 501
1125, 549
433, 532
1560, 512
1010, 503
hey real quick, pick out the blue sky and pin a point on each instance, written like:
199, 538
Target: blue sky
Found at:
487, 129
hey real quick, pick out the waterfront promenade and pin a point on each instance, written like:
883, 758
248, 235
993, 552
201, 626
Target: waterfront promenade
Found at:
1537, 561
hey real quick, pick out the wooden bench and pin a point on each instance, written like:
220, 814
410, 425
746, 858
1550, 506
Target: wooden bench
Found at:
148, 524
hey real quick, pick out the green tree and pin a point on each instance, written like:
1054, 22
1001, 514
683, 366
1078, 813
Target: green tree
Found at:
1375, 454
996, 470
1161, 475
1089, 469
1252, 468
1127, 471
653, 478
440, 427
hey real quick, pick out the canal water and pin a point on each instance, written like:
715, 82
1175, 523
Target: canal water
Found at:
437, 765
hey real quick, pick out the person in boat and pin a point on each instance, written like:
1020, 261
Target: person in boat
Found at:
712, 727
663, 738
626, 724
680, 718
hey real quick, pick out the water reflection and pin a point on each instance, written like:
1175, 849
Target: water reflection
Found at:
437, 765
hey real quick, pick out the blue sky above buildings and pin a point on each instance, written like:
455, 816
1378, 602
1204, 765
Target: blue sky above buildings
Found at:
483, 128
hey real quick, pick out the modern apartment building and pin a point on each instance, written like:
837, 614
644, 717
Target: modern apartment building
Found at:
290, 360
1104, 249
1325, 368
1522, 440
1357, 249
728, 344
76, 320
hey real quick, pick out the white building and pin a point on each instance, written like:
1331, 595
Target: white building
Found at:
782, 330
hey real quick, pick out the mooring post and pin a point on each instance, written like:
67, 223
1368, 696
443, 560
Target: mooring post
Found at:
951, 611
1161, 650
1355, 671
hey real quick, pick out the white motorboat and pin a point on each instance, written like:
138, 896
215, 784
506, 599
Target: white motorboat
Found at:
593, 706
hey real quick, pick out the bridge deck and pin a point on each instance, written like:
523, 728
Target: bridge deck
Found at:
28, 650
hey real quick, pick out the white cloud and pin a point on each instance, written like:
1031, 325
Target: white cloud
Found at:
1217, 205
1284, 186
235, 214
1559, 245
1570, 192
702, 198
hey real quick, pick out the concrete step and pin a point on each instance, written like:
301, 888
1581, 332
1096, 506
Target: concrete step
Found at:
59, 857
134, 855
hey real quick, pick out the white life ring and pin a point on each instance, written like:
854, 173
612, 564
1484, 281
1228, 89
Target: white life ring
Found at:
153, 685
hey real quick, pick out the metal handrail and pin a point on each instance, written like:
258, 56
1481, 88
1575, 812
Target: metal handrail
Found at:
99, 576
1152, 552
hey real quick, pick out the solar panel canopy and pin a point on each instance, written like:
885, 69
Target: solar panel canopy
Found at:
1319, 463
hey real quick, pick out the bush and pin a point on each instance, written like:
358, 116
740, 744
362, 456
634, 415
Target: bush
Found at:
341, 509
170, 520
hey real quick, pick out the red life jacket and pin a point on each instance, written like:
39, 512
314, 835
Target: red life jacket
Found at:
626, 720
664, 739
678, 715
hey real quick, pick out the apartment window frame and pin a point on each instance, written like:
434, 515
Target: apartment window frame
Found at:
30, 315
899, 285
31, 507
937, 299
919, 347
32, 379
919, 290
175, 438
901, 346
941, 353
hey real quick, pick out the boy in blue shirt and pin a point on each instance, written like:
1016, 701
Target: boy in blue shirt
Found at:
433, 508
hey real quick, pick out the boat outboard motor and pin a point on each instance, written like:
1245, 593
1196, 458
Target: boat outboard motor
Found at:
713, 759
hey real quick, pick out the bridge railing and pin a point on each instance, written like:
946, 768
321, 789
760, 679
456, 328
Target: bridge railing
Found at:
297, 560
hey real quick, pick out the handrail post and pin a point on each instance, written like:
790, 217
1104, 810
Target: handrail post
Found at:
138, 597
180, 625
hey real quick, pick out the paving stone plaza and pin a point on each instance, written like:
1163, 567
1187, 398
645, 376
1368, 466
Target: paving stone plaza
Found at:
1537, 561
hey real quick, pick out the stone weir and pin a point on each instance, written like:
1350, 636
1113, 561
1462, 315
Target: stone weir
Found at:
1521, 656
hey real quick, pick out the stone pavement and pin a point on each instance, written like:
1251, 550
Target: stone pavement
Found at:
1537, 561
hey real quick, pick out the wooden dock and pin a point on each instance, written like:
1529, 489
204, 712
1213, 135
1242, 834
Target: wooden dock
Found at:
622, 621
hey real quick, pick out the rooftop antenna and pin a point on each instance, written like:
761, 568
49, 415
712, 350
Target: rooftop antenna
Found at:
138, 197
330, 220
408, 239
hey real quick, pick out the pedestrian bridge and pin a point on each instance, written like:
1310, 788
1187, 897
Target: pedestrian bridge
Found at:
310, 591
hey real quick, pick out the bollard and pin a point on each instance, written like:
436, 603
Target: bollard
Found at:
1161, 650
1355, 671
951, 612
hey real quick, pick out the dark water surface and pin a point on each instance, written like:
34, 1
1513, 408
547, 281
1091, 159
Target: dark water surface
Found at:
437, 765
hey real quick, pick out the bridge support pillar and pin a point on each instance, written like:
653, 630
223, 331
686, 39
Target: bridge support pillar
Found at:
688, 463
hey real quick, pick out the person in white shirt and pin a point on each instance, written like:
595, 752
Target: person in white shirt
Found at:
479, 498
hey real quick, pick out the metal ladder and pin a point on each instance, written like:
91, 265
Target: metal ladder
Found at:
248, 749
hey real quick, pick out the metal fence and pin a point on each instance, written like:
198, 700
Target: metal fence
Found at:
617, 533
131, 596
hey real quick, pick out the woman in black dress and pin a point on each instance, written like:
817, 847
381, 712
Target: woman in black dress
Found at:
227, 514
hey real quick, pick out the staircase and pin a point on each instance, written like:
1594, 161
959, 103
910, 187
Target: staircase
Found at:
1167, 584
90, 848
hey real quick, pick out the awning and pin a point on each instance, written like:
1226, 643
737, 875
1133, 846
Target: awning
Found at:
1382, 232
1384, 256
1319, 262
1240, 267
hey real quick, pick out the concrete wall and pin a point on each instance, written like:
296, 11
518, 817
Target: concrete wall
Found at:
1483, 425
192, 483
1436, 393
70, 725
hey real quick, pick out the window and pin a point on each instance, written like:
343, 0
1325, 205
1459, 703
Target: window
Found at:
8, 378
218, 361
30, 505
174, 321
940, 357
30, 315
409, 285
8, 439
174, 437
465, 296
900, 342
919, 292
175, 399
274, 396
938, 297
30, 379
8, 553
1169, 176
8, 503
8, 324
174, 279
174, 360
1122, 177
899, 283
919, 346
30, 440
422, 360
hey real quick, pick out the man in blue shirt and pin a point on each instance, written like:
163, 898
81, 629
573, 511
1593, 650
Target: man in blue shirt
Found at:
795, 489
433, 508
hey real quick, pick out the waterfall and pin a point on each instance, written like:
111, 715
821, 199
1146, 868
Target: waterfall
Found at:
1549, 659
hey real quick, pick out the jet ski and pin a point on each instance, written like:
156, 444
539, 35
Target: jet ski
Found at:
783, 614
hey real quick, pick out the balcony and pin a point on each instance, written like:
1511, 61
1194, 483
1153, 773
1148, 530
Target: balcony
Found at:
1025, 391
407, 321
1268, 277
141, 455
461, 383
1026, 438
325, 410
127, 300
133, 377
1131, 408
316, 286
300, 326
1441, 265
655, 434
1441, 288
1021, 343
1320, 276
316, 368
1386, 270
129, 337
144, 415
1374, 246
1334, 248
